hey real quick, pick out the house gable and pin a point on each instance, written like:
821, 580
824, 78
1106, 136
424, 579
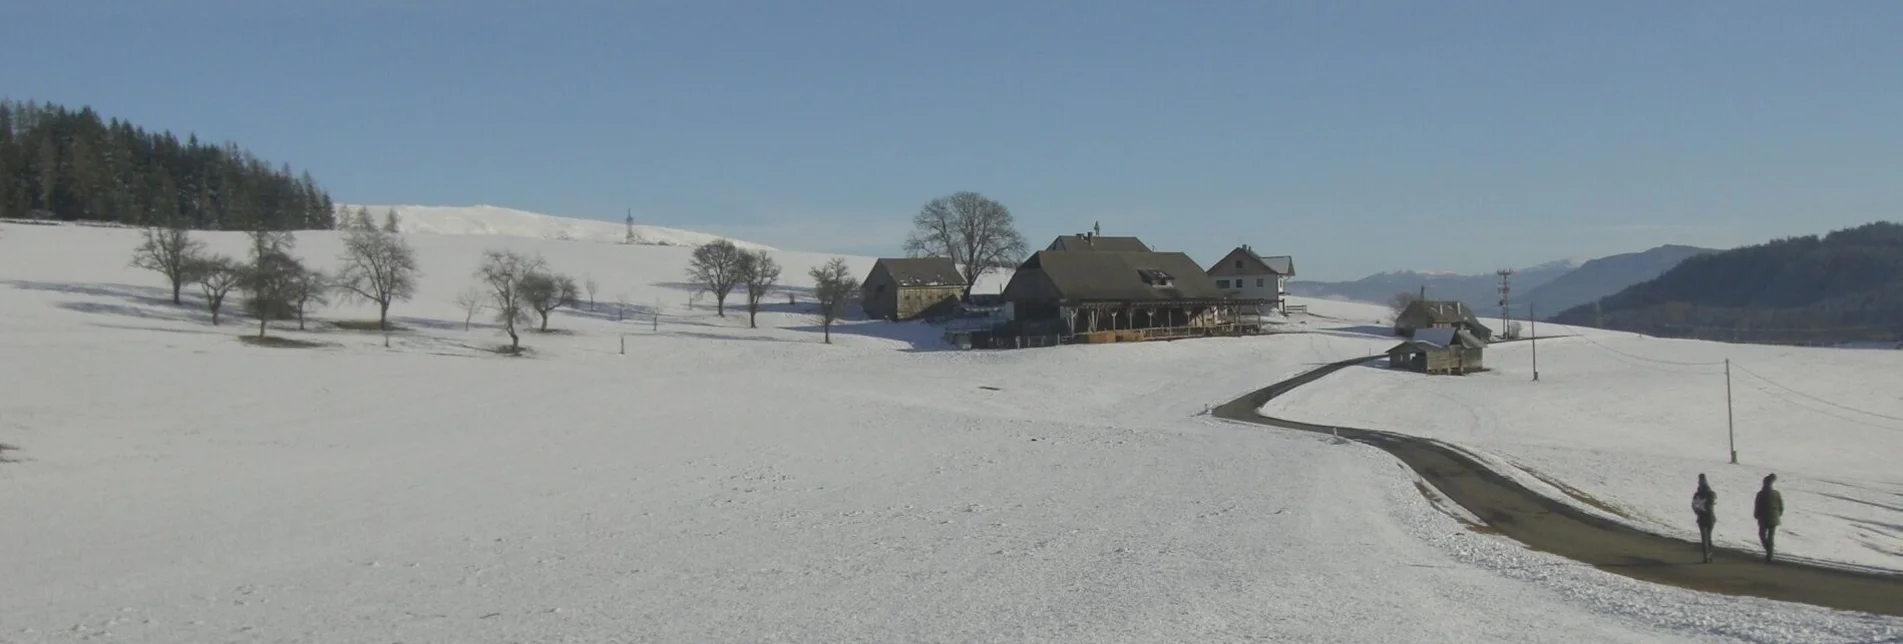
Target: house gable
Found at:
1244, 262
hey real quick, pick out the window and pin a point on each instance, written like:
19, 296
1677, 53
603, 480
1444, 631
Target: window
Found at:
1155, 277
1222, 283
1238, 264
1258, 282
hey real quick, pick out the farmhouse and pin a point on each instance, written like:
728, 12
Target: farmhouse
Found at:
1123, 296
907, 288
1244, 274
1440, 314
1462, 356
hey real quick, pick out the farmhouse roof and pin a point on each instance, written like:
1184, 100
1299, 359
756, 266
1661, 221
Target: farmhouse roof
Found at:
1095, 242
922, 271
1123, 276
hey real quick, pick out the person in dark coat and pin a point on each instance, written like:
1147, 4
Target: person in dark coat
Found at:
1769, 511
1705, 508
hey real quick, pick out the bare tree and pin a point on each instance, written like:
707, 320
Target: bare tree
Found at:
472, 299
267, 278
592, 287
545, 291
311, 288
976, 233
379, 267
833, 287
502, 273
216, 276
621, 305
758, 273
715, 268
171, 252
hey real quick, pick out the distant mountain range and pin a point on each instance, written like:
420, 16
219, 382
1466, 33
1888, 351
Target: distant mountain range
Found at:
1545, 289
1845, 288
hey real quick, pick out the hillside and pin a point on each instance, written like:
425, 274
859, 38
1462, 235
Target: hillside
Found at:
58, 163
509, 222
1844, 287
1479, 292
1605, 276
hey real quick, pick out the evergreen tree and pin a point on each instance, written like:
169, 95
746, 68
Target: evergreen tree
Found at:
77, 166
390, 221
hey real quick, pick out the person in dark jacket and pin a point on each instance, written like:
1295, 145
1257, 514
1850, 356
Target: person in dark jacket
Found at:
1705, 508
1769, 511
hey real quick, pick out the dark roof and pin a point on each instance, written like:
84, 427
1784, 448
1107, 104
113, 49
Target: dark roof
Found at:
1441, 311
1099, 243
1110, 275
1279, 264
1412, 347
922, 271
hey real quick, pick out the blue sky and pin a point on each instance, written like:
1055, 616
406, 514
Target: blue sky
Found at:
1359, 136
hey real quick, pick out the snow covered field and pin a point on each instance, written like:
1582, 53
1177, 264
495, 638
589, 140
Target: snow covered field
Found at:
717, 483
499, 221
1629, 422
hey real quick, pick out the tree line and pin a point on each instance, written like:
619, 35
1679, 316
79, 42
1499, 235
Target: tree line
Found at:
72, 165
1845, 286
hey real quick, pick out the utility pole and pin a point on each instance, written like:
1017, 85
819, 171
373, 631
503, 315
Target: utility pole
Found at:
630, 238
1731, 429
1534, 331
1506, 287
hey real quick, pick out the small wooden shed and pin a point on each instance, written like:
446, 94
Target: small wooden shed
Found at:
1464, 356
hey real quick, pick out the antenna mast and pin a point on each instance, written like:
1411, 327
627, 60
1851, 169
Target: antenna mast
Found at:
1506, 289
630, 238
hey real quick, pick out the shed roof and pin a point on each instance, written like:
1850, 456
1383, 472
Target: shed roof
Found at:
1412, 347
1094, 242
1112, 275
1440, 311
922, 271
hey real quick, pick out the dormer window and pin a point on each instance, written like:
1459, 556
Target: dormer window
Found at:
1156, 277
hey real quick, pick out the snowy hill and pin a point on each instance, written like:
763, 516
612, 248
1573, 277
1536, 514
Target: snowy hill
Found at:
656, 472
495, 220
1629, 421
1480, 292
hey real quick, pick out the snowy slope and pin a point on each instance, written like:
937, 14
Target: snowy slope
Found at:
494, 220
716, 483
1630, 422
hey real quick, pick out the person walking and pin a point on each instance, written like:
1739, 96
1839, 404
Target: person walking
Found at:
1705, 508
1769, 511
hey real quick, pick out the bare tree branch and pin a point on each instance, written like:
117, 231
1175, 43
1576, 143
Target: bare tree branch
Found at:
833, 286
379, 267
502, 273
975, 232
715, 268
758, 273
171, 252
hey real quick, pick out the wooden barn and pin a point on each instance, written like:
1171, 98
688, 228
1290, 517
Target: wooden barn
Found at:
1124, 296
1440, 314
1463, 356
907, 288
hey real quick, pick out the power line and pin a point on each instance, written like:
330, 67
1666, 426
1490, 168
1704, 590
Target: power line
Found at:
1815, 398
1595, 343
1848, 419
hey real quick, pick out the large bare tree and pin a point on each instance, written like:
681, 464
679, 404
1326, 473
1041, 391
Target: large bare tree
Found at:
268, 279
310, 288
715, 268
379, 267
170, 251
975, 232
502, 273
758, 273
216, 276
545, 291
833, 287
